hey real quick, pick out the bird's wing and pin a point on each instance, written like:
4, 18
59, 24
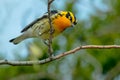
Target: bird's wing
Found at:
35, 21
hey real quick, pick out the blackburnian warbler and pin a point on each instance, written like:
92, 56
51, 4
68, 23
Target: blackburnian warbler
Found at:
40, 28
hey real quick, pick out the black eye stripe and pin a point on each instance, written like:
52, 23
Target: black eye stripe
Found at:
69, 16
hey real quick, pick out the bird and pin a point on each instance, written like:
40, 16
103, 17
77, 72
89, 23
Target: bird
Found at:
40, 28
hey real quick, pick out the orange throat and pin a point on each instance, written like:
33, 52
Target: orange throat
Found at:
61, 23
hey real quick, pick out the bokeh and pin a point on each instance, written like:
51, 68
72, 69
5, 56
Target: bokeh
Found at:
98, 24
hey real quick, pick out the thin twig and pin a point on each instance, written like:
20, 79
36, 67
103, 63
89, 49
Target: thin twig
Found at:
51, 29
29, 63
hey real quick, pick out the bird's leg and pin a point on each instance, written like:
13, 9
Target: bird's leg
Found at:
46, 42
50, 49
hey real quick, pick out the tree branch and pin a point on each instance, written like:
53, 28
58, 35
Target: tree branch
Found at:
51, 29
30, 63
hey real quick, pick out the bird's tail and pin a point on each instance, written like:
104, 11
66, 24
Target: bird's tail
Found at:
18, 39
25, 35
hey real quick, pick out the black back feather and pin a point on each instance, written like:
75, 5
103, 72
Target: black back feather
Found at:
44, 16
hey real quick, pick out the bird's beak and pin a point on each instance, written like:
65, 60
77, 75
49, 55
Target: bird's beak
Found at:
73, 24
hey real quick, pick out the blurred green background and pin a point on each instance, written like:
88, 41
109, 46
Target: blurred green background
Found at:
98, 24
